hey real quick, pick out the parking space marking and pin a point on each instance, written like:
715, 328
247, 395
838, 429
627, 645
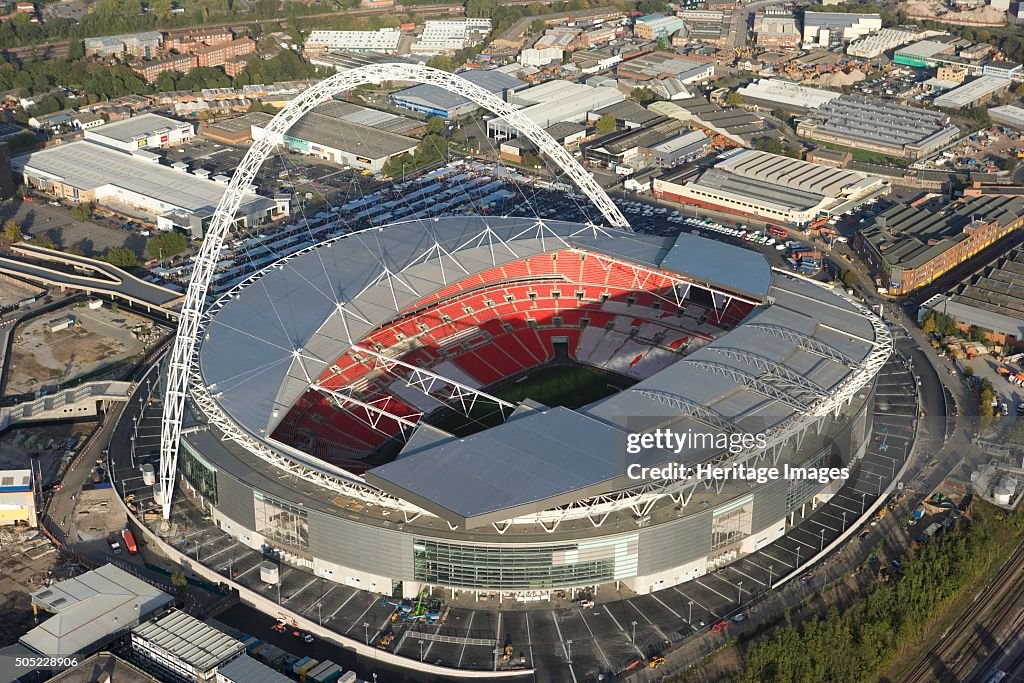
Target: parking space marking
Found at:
744, 574
469, 628
597, 645
660, 602
689, 599
565, 652
529, 638
359, 619
311, 582
701, 583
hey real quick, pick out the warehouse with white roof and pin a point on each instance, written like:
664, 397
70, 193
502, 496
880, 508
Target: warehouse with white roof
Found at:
774, 93
143, 131
772, 187
554, 102
137, 184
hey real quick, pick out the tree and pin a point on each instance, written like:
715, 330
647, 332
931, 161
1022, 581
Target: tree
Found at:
122, 257
166, 245
1010, 164
82, 212
180, 584
606, 124
770, 145
644, 95
435, 125
442, 62
12, 231
735, 99
849, 278
928, 325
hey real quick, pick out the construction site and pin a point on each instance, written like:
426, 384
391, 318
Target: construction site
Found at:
82, 342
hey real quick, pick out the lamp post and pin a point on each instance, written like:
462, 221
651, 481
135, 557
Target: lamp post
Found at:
797, 557
633, 638
863, 497
568, 652
739, 592
771, 568
822, 539
421, 651
689, 619
366, 629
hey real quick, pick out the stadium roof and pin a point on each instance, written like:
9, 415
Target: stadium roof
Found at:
556, 456
743, 271
267, 342
90, 609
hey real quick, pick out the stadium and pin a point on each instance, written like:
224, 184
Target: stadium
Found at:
447, 403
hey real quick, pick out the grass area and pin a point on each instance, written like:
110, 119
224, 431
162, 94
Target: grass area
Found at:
864, 155
571, 386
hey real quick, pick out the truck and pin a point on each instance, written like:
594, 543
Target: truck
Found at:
129, 541
776, 231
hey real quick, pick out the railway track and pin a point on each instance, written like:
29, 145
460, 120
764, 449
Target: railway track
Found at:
970, 646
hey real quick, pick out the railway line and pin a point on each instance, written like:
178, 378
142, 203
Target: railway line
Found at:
970, 647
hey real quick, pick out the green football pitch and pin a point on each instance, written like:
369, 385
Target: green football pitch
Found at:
571, 386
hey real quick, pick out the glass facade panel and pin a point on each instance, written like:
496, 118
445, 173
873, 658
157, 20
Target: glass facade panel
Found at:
497, 568
198, 472
281, 521
732, 523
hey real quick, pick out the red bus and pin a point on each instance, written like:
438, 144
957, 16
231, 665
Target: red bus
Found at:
129, 542
776, 231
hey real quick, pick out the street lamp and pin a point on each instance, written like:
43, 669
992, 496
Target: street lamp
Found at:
633, 638
739, 592
797, 557
421, 651
844, 520
863, 497
771, 568
568, 653
366, 628
689, 619
822, 538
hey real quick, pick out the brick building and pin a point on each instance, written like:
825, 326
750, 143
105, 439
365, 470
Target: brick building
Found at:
152, 69
218, 54
187, 40
908, 247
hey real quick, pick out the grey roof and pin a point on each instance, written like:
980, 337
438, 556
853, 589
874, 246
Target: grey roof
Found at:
143, 125
491, 80
877, 120
189, 640
321, 129
245, 669
738, 270
557, 455
87, 166
971, 91
245, 122
249, 356
91, 609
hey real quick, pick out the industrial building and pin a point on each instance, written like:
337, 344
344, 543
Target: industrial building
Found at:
1008, 115
972, 93
450, 35
236, 131
385, 41
341, 141
137, 184
631, 148
180, 648
1003, 69
992, 299
877, 44
680, 149
771, 187
659, 65
17, 498
924, 53
657, 26
432, 100
776, 93
776, 28
736, 125
878, 125
553, 102
144, 130
88, 612
908, 247
245, 669
832, 29
627, 113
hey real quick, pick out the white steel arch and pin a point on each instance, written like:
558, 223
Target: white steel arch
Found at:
185, 342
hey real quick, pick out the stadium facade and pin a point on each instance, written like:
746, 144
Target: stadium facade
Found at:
311, 368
